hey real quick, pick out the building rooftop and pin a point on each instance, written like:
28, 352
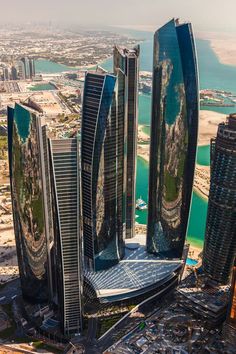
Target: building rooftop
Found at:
136, 272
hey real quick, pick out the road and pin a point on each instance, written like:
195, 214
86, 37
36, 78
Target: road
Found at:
9, 290
147, 307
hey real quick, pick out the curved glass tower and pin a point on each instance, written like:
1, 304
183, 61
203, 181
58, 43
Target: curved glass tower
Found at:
102, 221
29, 201
174, 129
220, 238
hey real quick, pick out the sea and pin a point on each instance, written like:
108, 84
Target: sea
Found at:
213, 75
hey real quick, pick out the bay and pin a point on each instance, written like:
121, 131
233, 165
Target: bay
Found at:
43, 66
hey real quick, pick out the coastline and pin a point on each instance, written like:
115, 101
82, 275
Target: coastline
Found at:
225, 50
77, 67
194, 251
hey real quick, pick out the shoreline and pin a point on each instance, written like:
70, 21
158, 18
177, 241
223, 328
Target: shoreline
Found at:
72, 68
221, 49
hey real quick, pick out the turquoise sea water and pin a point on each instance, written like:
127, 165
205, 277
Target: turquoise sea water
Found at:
42, 87
43, 66
203, 155
212, 75
191, 262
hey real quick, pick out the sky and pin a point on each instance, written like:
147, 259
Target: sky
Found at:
206, 15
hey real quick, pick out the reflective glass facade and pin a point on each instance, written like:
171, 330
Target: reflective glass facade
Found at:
174, 129
102, 223
126, 67
27, 173
220, 238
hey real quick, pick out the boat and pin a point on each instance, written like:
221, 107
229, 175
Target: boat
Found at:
141, 204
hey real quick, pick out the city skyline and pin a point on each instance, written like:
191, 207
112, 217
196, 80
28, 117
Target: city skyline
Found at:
94, 273
135, 14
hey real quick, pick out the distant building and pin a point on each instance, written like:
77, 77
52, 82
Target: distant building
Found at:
26, 62
32, 68
21, 70
174, 129
101, 196
14, 73
6, 75
220, 238
126, 67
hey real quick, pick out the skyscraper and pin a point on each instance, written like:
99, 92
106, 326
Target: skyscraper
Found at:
174, 129
126, 67
31, 68
21, 70
220, 238
101, 197
29, 202
66, 196
13, 73
26, 63
45, 188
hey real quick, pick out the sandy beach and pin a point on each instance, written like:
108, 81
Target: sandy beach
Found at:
202, 181
223, 44
194, 252
208, 126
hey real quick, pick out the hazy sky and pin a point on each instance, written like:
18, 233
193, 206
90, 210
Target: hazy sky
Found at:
204, 14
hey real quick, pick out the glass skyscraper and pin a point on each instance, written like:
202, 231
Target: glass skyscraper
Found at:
101, 196
45, 188
126, 67
30, 202
174, 129
220, 238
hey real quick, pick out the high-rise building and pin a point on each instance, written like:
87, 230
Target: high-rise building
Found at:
13, 73
21, 70
5, 74
66, 195
32, 68
126, 68
220, 238
26, 63
30, 202
174, 129
45, 188
101, 195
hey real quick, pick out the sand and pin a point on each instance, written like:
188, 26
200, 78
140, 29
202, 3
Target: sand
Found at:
202, 181
223, 44
8, 259
208, 126
142, 136
194, 252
